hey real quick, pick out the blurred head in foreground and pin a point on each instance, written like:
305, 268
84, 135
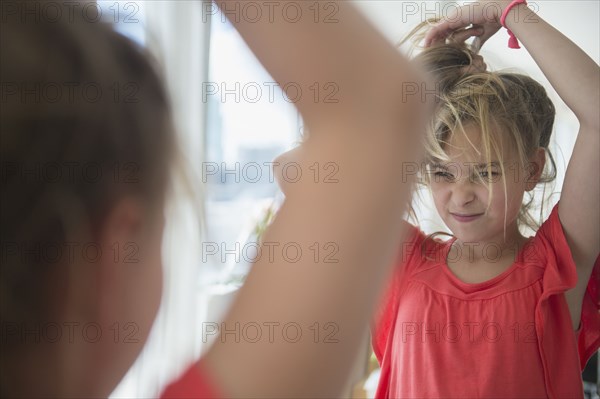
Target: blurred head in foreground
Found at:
86, 150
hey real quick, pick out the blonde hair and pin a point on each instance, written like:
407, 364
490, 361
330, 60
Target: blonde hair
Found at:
504, 106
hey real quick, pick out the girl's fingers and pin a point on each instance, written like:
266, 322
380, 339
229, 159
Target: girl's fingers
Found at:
488, 31
462, 25
460, 32
457, 20
446, 27
432, 35
436, 35
460, 36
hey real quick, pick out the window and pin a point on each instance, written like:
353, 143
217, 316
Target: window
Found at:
249, 123
128, 17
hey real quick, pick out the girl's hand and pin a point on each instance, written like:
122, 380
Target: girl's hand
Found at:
481, 19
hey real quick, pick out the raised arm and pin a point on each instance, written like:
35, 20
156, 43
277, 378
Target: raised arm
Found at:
576, 78
348, 230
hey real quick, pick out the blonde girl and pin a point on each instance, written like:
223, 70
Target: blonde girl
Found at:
491, 312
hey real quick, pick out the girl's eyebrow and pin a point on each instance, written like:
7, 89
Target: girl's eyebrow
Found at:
492, 164
437, 165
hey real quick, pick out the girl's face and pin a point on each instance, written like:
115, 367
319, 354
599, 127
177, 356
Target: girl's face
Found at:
135, 292
461, 198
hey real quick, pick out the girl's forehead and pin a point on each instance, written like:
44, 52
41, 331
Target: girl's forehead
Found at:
469, 146
469, 158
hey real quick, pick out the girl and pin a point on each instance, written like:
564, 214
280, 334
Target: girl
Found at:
492, 313
63, 204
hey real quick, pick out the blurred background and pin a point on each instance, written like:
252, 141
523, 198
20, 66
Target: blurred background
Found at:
232, 121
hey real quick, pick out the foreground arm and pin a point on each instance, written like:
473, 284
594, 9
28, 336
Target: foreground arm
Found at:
368, 134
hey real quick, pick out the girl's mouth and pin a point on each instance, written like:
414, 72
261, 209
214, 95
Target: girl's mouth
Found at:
465, 218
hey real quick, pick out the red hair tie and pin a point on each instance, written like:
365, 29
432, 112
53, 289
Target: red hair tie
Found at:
512, 41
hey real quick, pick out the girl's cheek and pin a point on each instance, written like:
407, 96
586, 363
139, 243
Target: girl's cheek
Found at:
440, 193
498, 195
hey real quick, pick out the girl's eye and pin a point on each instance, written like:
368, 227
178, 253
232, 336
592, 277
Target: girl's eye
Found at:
485, 175
439, 175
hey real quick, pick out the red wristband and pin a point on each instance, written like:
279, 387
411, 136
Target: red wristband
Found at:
512, 41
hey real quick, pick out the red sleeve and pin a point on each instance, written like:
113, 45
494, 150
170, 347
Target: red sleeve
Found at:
561, 274
385, 314
195, 383
588, 338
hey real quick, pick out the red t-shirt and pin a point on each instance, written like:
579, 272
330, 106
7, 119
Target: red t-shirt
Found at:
195, 383
510, 337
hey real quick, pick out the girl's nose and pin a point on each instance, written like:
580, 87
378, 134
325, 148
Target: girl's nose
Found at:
279, 167
463, 193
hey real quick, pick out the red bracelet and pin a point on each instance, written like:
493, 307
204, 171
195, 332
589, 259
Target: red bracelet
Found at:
512, 41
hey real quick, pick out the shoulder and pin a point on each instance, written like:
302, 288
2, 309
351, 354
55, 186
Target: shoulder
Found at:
420, 248
551, 229
550, 250
415, 251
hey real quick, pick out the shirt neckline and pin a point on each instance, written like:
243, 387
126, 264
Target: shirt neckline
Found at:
486, 283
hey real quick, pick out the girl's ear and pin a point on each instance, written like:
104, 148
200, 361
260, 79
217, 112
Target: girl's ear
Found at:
121, 227
98, 278
535, 168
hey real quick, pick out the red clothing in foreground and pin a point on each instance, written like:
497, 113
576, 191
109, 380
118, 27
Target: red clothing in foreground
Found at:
195, 383
508, 337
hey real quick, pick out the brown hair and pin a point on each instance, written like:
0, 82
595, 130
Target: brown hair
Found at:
85, 120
